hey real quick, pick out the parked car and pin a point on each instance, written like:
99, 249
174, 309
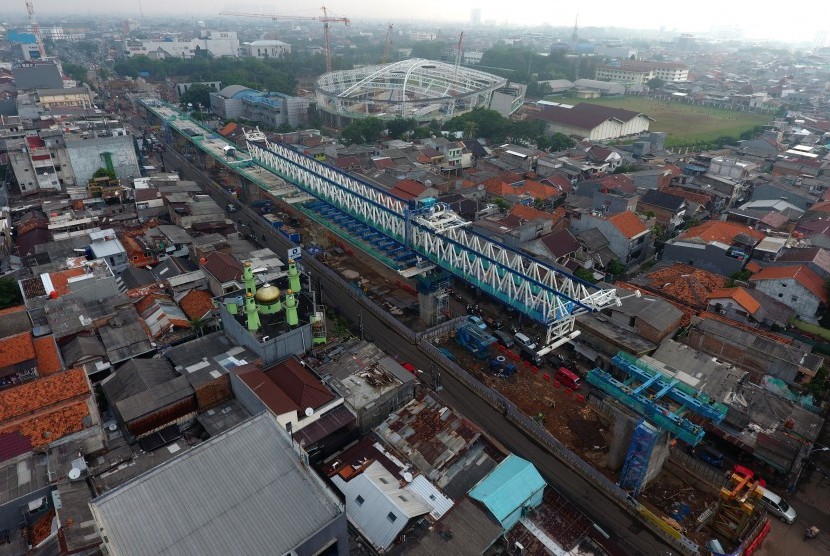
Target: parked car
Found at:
529, 354
504, 338
567, 378
777, 506
524, 341
477, 321
709, 455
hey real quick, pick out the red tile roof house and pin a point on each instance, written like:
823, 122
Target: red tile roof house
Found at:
628, 237
288, 390
42, 411
720, 247
224, 272
17, 357
798, 287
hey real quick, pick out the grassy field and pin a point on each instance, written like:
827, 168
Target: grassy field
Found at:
684, 123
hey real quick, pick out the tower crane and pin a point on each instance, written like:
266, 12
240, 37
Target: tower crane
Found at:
388, 44
458, 54
35, 28
326, 19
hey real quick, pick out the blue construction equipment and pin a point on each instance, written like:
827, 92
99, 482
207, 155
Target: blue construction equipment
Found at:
475, 340
501, 366
658, 398
635, 468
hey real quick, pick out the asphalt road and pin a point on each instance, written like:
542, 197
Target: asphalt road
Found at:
625, 531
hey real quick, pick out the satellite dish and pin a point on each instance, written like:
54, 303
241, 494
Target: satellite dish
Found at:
74, 474
407, 477
113, 427
309, 412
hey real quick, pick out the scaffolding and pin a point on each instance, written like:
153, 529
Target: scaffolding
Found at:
635, 468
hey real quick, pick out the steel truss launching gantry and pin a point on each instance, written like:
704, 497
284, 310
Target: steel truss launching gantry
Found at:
433, 231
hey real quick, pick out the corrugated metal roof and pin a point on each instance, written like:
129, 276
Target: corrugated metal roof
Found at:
242, 492
377, 506
421, 486
508, 486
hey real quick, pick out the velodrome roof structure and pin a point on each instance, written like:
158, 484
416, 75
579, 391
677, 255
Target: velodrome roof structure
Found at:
414, 88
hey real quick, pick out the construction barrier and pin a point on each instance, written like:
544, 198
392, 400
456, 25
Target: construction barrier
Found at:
546, 376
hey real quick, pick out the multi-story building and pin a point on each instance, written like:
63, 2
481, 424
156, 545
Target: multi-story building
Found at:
641, 72
272, 108
266, 49
56, 99
217, 43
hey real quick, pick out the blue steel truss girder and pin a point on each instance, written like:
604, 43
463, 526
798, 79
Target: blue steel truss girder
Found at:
545, 293
536, 289
362, 201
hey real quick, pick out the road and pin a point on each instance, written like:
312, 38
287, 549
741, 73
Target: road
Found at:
625, 530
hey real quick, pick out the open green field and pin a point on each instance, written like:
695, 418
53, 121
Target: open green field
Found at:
685, 124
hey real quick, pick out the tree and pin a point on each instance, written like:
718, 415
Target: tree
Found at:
625, 168
199, 325
615, 268
561, 142
367, 130
104, 173
9, 293
76, 72
315, 119
431, 50
585, 274
655, 83
400, 127
197, 94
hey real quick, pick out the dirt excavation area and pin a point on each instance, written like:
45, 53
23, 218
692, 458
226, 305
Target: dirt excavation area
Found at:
573, 421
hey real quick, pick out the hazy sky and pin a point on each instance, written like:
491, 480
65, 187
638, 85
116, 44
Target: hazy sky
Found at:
757, 19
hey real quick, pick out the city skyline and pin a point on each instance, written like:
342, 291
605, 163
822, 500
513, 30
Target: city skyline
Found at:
703, 16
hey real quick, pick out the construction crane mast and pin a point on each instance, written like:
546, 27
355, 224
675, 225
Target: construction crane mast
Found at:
35, 28
385, 57
458, 54
326, 19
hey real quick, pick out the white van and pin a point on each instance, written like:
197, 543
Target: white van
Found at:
777, 506
524, 341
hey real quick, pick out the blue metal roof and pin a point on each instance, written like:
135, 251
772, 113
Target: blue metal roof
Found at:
508, 487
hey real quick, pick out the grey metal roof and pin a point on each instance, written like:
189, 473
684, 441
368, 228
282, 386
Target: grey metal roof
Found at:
134, 277
465, 529
242, 492
377, 506
82, 347
124, 337
657, 312
135, 376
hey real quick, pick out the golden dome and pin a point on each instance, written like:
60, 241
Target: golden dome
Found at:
267, 294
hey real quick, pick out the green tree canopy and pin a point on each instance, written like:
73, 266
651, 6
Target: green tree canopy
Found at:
104, 173
197, 94
655, 83
431, 50
9, 293
367, 130
264, 75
